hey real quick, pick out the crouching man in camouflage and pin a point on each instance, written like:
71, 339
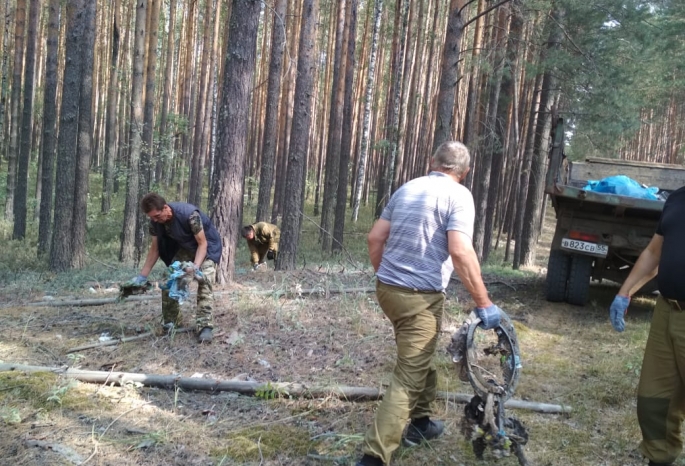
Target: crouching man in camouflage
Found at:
262, 239
180, 232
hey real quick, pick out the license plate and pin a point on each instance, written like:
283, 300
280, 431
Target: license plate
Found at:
584, 246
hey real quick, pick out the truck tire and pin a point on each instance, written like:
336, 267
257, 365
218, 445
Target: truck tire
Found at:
579, 280
557, 275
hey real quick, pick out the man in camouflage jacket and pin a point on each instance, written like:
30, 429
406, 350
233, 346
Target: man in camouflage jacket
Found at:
262, 239
180, 232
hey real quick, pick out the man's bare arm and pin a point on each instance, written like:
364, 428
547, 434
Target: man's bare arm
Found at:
645, 268
152, 257
201, 252
376, 242
467, 267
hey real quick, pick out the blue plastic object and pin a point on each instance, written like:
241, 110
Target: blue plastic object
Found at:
178, 281
623, 186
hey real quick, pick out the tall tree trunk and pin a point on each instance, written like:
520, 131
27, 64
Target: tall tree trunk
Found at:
209, 125
229, 173
494, 145
49, 128
197, 157
542, 131
111, 126
147, 152
61, 249
188, 84
127, 251
332, 165
165, 139
285, 119
524, 178
269, 146
19, 24
447, 90
22, 187
84, 150
297, 153
366, 125
347, 121
394, 107
424, 141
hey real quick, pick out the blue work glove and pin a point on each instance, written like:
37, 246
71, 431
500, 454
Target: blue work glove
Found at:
617, 310
489, 316
139, 280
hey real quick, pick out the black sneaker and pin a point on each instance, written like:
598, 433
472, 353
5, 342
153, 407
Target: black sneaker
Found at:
415, 435
205, 335
368, 460
652, 463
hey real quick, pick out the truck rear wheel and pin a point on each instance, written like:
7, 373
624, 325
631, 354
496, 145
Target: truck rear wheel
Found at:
579, 279
557, 275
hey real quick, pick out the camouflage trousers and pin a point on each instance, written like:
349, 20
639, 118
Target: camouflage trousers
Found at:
205, 296
661, 392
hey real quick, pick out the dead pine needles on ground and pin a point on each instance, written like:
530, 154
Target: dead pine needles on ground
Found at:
570, 356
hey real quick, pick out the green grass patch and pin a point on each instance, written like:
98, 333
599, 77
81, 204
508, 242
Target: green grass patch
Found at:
43, 391
267, 442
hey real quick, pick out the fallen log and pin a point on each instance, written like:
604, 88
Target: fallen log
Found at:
269, 389
147, 297
142, 336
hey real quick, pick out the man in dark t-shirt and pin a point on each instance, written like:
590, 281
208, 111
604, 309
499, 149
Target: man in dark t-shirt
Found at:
661, 391
180, 232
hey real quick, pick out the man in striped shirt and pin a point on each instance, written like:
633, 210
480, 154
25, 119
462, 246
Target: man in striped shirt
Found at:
424, 233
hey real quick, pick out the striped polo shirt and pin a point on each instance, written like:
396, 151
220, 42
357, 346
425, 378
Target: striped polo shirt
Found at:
421, 213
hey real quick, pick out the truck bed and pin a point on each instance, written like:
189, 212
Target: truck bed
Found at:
567, 190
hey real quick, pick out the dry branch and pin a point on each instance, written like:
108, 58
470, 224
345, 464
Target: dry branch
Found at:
251, 388
122, 340
276, 293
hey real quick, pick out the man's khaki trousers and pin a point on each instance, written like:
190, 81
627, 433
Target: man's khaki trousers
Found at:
661, 392
416, 318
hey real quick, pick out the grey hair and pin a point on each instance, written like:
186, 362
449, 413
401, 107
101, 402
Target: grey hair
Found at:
452, 157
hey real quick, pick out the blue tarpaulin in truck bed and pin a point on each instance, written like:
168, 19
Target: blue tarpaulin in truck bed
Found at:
623, 186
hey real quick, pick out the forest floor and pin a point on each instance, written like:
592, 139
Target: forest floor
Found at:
570, 355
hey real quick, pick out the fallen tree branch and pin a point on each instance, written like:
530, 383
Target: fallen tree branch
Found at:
142, 336
251, 388
148, 297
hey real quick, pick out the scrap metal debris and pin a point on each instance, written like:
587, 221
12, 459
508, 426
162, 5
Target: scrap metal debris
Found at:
492, 366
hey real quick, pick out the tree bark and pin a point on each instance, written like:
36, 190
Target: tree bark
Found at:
392, 135
147, 150
447, 89
111, 125
332, 156
197, 157
297, 152
347, 122
15, 108
49, 128
366, 125
127, 251
229, 172
269, 146
542, 131
60, 251
22, 187
84, 151
252, 388
166, 144
485, 204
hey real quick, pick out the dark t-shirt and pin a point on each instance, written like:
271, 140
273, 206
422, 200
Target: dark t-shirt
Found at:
671, 277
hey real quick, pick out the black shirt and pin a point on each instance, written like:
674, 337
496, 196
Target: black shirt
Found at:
671, 277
